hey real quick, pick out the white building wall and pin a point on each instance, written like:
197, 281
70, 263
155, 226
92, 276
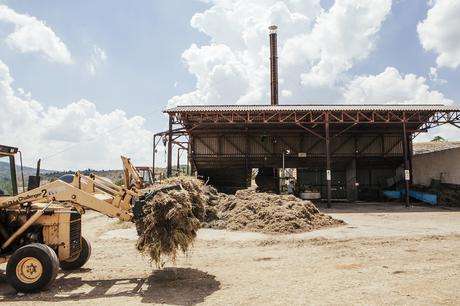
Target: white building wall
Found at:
440, 165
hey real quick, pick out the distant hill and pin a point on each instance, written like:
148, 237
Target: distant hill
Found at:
5, 168
50, 175
5, 172
115, 176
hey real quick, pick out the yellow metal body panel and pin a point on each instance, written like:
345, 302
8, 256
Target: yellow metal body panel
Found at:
57, 208
61, 229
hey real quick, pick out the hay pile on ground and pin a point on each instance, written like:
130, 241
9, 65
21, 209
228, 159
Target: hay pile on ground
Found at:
248, 210
171, 220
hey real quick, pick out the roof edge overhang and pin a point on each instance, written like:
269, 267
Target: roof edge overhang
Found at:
312, 108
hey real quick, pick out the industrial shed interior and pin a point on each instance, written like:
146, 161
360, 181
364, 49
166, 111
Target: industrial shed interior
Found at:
347, 152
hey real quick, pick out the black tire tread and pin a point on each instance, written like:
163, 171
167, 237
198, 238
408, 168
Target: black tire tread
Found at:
82, 259
55, 260
45, 255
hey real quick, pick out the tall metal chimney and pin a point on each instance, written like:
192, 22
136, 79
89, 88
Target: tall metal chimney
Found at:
273, 64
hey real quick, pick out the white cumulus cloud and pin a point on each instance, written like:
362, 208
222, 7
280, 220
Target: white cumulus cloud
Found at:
434, 77
315, 48
440, 33
97, 58
33, 35
390, 87
341, 37
76, 136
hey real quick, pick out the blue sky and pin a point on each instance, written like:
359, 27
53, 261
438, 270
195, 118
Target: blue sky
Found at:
143, 40
399, 46
140, 56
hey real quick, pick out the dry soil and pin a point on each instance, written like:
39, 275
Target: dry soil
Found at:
386, 254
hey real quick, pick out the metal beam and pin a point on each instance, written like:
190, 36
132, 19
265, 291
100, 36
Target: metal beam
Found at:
261, 145
180, 145
454, 124
392, 147
369, 144
178, 161
311, 131
406, 165
232, 144
287, 144
344, 130
246, 160
328, 161
153, 155
191, 154
307, 116
342, 144
317, 142
170, 135
206, 145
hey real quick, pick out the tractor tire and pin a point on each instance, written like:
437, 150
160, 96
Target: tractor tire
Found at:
32, 268
81, 259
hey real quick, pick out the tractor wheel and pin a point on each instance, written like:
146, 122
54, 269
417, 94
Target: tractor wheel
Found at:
32, 268
81, 259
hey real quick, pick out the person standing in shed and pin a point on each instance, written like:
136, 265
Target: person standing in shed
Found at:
291, 187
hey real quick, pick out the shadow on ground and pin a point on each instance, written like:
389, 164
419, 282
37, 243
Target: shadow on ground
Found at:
380, 207
176, 286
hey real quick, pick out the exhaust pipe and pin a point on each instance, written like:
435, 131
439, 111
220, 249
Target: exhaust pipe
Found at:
273, 64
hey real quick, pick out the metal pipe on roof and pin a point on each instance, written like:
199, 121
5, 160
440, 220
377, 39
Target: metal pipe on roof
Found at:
273, 64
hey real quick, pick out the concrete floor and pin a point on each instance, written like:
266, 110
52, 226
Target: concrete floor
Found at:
364, 220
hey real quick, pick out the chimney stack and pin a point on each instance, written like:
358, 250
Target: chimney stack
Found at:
273, 64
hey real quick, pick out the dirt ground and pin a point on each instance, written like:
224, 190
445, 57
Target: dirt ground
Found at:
386, 254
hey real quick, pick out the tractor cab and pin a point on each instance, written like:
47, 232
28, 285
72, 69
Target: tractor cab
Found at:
146, 175
8, 175
8, 181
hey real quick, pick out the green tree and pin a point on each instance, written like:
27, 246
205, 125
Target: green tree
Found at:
438, 138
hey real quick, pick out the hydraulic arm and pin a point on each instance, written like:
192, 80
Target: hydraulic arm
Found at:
84, 192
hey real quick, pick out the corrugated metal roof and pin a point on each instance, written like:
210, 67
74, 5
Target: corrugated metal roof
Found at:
311, 107
434, 146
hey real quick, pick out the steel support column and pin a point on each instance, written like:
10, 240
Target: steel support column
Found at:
191, 152
178, 160
246, 159
153, 155
411, 154
188, 161
406, 166
170, 140
328, 160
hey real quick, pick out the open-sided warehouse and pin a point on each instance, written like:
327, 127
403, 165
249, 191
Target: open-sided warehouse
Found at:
345, 151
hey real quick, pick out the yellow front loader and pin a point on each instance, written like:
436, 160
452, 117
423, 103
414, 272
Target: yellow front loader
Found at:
40, 229
139, 177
